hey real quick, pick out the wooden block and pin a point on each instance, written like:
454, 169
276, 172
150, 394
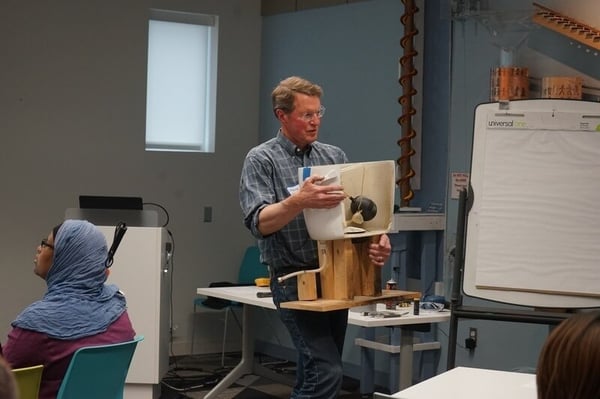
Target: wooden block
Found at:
307, 287
343, 262
325, 249
355, 266
348, 271
376, 274
370, 274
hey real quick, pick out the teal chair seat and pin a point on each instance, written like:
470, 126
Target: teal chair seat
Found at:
98, 372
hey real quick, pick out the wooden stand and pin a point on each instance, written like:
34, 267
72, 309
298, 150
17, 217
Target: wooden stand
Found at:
348, 270
348, 278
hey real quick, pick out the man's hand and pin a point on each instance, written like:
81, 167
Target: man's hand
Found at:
379, 252
311, 195
316, 196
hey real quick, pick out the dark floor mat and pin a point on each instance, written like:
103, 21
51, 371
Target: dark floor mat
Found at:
178, 384
250, 393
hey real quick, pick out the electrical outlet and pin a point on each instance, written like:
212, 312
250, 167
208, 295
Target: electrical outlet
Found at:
471, 342
208, 214
473, 334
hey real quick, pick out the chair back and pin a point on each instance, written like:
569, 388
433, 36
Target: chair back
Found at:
28, 381
98, 372
251, 268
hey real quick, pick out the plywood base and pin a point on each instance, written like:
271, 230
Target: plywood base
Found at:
326, 305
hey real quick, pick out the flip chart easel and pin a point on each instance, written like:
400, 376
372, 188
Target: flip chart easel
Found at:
529, 227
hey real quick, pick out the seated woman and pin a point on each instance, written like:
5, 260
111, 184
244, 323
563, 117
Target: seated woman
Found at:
569, 363
78, 309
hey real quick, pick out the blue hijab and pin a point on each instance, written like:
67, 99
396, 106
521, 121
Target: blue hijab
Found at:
78, 303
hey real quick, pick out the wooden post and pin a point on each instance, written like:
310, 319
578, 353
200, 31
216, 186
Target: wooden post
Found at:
370, 275
348, 270
326, 252
307, 286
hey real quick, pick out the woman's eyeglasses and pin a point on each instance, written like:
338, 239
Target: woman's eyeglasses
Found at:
44, 244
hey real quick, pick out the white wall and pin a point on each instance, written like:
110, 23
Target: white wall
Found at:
72, 115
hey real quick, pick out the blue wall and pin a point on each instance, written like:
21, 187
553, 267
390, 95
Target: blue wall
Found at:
353, 52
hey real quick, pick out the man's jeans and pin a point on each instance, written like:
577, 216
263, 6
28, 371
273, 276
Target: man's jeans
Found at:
319, 339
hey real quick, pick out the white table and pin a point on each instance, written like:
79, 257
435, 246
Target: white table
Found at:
473, 383
401, 345
247, 296
400, 348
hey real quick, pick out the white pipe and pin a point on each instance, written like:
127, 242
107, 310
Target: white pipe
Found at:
294, 274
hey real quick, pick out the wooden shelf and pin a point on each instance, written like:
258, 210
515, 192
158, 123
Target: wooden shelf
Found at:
567, 26
326, 305
406, 221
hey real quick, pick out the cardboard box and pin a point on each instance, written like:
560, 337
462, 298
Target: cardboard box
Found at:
569, 87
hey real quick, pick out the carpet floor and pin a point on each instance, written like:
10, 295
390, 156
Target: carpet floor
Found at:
192, 377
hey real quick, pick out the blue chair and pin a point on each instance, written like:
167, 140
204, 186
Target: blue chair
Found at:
250, 269
28, 381
98, 372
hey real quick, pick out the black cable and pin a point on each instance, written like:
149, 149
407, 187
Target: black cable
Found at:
447, 336
164, 210
201, 378
120, 231
190, 382
171, 258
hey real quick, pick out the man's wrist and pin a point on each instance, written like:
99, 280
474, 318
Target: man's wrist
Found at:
292, 204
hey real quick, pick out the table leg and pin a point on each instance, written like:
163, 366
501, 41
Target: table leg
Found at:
245, 366
431, 269
406, 358
367, 363
394, 359
401, 364
399, 260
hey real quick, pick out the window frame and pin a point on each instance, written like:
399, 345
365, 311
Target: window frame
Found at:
206, 140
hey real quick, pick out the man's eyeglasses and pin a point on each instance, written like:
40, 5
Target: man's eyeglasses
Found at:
309, 116
44, 244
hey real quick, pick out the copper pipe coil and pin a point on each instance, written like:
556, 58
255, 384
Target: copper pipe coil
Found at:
408, 71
